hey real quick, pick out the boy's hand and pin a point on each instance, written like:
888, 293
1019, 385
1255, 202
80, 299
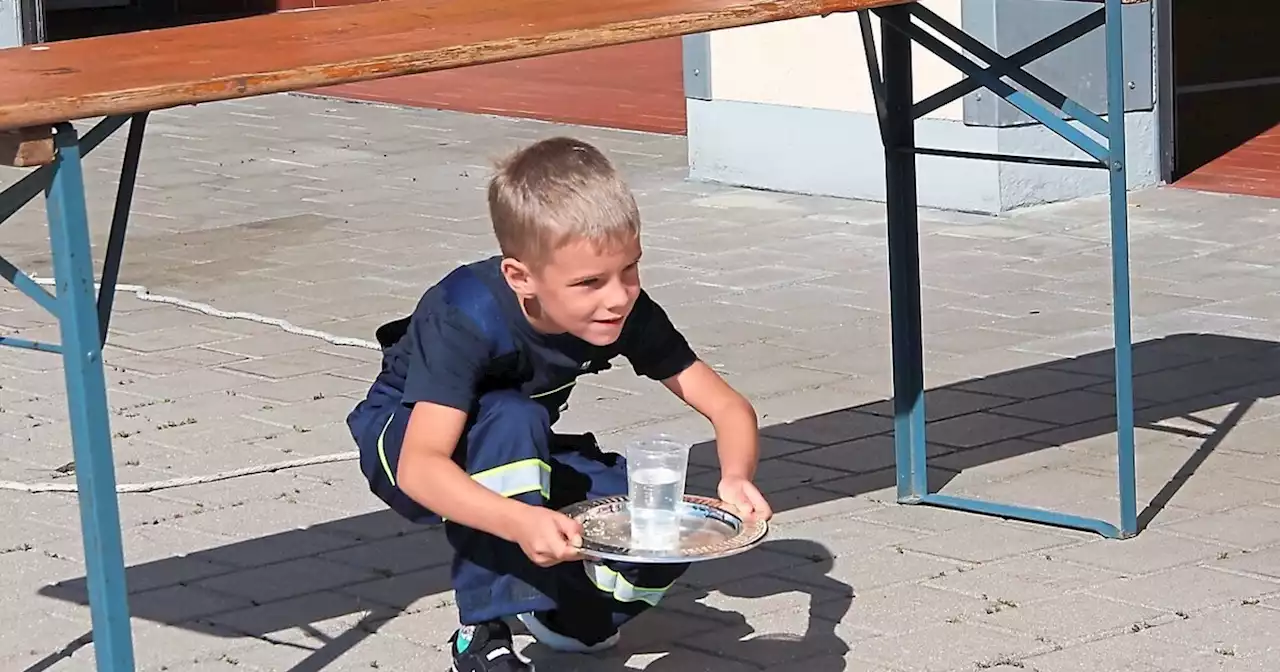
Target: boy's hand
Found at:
549, 537
744, 496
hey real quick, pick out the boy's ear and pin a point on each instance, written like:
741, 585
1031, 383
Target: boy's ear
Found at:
518, 277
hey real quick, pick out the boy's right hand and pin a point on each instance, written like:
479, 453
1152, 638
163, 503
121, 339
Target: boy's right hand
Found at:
549, 537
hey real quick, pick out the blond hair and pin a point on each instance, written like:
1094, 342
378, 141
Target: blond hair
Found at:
558, 191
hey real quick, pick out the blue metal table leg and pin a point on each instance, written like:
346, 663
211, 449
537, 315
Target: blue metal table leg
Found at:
87, 404
898, 129
1120, 270
893, 93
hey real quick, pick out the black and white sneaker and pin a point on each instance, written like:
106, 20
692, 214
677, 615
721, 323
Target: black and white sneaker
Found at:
486, 648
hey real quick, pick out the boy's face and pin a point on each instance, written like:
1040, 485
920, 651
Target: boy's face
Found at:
581, 290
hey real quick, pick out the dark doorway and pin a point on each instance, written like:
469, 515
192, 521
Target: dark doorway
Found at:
70, 19
1225, 95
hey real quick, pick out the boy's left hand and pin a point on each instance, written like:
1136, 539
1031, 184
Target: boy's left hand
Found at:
744, 496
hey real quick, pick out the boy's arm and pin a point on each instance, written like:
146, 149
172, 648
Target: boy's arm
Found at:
732, 416
428, 474
657, 350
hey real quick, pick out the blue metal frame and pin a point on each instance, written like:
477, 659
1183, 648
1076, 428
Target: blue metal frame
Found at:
82, 319
892, 88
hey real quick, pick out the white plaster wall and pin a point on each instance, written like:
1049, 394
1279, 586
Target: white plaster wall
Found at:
817, 62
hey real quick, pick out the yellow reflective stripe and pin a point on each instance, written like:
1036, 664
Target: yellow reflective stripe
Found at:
382, 451
622, 590
508, 480
517, 478
558, 389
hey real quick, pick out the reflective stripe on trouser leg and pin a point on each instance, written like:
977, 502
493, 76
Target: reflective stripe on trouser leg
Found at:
509, 480
382, 450
518, 478
619, 587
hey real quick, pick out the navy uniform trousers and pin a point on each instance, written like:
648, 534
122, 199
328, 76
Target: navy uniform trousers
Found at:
509, 447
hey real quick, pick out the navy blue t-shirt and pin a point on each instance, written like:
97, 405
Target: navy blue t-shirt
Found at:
440, 355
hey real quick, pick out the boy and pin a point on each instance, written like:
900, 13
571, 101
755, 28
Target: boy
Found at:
457, 426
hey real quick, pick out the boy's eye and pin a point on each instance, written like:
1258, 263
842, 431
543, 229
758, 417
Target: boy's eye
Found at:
585, 282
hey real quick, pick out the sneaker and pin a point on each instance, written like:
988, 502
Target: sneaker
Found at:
486, 648
549, 629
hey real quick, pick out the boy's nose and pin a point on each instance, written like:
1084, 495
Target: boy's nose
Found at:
616, 299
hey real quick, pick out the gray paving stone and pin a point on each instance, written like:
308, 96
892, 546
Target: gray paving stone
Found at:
424, 594
1142, 650
1246, 527
1188, 589
980, 429
921, 518
905, 608
941, 404
1239, 632
144, 544
968, 646
35, 634
284, 580
1023, 579
1068, 487
397, 555
1074, 617
290, 365
762, 561
842, 534
1006, 460
1148, 552
991, 541
831, 428
785, 639
864, 455
310, 620
1265, 563
781, 379
175, 604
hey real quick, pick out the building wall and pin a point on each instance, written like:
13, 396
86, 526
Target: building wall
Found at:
787, 106
816, 63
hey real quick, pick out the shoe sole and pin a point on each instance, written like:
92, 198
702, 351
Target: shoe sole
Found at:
454, 668
546, 637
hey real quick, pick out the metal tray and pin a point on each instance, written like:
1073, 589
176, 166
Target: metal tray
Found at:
709, 530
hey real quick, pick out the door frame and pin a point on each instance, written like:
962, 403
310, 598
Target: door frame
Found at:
1166, 90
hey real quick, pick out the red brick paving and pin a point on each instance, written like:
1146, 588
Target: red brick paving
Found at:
634, 86
1252, 168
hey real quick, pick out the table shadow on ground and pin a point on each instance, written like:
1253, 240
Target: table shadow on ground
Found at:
278, 596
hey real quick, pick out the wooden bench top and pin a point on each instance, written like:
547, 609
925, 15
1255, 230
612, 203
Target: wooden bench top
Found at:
152, 70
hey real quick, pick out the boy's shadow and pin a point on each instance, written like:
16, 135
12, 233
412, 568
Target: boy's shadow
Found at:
691, 635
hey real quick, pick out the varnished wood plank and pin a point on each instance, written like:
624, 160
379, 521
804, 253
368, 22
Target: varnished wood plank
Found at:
150, 70
26, 147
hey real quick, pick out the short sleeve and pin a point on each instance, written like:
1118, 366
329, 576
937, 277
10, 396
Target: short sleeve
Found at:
655, 348
447, 356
